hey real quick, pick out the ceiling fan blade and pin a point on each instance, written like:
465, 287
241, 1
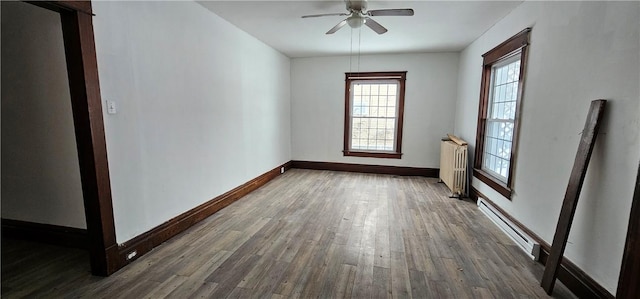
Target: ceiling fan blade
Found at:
390, 12
337, 27
325, 15
375, 26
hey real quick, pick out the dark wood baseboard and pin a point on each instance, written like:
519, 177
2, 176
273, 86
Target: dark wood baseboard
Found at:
145, 242
380, 169
576, 280
45, 233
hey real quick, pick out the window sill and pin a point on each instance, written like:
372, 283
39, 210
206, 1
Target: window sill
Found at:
492, 182
373, 154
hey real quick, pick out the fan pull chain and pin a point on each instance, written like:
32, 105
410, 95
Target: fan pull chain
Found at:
351, 52
359, 38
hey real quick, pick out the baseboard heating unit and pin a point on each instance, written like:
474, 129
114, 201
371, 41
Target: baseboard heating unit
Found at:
524, 241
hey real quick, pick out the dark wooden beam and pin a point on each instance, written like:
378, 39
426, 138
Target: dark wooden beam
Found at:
628, 286
62, 6
585, 148
86, 105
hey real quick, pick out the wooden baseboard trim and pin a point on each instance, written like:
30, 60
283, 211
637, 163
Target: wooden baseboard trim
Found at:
144, 242
45, 233
576, 280
380, 169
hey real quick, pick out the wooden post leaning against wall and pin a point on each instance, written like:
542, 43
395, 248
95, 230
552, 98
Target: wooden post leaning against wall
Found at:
585, 148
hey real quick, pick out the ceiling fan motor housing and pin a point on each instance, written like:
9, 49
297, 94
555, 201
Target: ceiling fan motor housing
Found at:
356, 5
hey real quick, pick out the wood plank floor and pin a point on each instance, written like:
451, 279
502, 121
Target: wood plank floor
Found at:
306, 234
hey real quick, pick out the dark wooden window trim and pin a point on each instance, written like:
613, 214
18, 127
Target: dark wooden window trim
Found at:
86, 105
349, 77
492, 182
516, 45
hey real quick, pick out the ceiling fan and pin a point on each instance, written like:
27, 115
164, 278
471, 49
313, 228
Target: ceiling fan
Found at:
359, 15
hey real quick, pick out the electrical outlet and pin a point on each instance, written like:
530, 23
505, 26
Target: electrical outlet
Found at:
131, 255
281, 169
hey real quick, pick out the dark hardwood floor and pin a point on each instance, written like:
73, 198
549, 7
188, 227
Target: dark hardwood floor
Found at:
306, 234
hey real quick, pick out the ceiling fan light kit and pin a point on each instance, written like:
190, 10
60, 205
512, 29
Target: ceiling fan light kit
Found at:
359, 15
355, 21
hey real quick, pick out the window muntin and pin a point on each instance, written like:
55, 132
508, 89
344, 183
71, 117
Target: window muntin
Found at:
374, 104
501, 114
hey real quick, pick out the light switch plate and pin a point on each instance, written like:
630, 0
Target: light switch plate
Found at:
111, 107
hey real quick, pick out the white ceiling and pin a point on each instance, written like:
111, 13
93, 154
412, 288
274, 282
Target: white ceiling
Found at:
437, 26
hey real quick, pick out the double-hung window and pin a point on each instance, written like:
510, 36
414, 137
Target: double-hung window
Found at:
500, 98
374, 104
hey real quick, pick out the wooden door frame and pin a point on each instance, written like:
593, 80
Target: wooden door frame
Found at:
86, 104
630, 268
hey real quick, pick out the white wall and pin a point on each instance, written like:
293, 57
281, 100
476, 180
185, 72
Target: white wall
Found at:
40, 171
580, 51
202, 108
317, 106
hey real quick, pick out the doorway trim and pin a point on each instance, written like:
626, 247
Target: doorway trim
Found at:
630, 268
86, 104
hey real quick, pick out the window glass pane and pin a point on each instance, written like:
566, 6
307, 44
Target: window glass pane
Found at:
391, 124
496, 166
505, 168
382, 100
512, 73
504, 75
509, 132
393, 89
374, 115
497, 75
391, 112
373, 100
383, 88
499, 124
357, 101
366, 89
373, 112
391, 101
492, 165
375, 89
509, 110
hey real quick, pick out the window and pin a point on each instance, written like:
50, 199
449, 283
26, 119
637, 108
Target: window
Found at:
374, 104
500, 96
